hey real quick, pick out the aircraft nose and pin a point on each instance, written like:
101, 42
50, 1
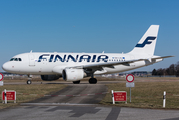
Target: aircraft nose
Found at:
6, 66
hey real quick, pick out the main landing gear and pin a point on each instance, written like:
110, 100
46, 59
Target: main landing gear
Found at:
76, 82
92, 80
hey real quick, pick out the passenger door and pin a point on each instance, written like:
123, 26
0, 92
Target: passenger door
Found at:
31, 60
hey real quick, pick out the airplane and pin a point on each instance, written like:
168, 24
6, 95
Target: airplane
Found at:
76, 66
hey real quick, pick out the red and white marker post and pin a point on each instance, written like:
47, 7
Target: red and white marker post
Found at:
164, 99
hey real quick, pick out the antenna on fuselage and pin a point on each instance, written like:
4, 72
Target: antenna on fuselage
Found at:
31, 51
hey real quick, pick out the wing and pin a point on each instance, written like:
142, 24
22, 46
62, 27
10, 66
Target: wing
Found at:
111, 64
99, 66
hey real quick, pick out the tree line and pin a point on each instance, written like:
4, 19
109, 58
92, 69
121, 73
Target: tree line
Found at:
173, 69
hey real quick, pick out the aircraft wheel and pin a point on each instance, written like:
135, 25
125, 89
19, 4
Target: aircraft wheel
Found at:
29, 82
92, 80
76, 82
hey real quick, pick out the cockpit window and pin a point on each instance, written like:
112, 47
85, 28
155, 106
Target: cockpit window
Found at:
12, 59
15, 59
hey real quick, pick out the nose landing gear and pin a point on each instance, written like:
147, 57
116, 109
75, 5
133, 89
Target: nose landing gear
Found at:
29, 82
29, 79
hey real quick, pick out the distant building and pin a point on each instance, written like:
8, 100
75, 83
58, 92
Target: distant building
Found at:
6, 74
141, 73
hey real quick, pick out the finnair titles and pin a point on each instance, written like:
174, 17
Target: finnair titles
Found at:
76, 58
76, 66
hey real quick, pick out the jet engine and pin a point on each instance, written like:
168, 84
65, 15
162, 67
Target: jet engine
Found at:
50, 77
73, 74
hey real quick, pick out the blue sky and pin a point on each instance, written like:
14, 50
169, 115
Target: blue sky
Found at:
113, 26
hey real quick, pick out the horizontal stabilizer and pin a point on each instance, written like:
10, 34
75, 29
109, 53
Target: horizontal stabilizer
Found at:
162, 57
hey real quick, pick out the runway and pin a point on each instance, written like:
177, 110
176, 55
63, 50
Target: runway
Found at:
81, 102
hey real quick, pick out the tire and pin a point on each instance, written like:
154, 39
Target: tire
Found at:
92, 80
29, 82
76, 82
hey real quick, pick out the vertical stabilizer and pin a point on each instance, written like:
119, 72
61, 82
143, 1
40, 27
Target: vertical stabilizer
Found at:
146, 45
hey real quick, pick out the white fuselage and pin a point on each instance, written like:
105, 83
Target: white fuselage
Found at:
54, 63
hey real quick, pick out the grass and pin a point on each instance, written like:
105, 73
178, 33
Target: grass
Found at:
23, 92
146, 95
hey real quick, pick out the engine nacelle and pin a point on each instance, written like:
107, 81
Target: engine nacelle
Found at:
50, 77
73, 74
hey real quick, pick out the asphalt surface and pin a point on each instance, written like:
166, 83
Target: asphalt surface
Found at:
77, 94
82, 112
80, 102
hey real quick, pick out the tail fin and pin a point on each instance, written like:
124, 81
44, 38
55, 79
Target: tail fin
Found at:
146, 45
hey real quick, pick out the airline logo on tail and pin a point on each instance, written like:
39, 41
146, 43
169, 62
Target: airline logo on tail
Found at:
146, 42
